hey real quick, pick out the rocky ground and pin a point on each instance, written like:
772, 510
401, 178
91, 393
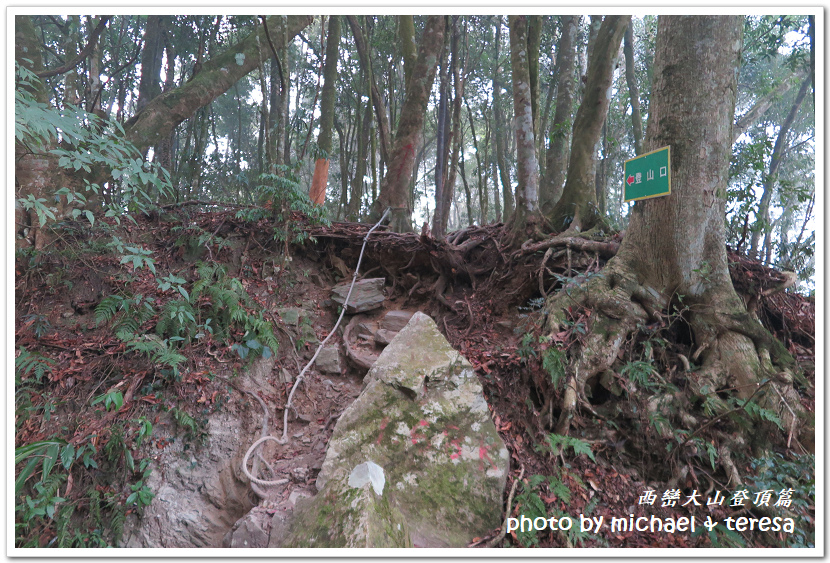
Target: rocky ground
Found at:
485, 300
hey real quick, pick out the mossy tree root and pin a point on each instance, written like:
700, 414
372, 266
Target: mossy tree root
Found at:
731, 355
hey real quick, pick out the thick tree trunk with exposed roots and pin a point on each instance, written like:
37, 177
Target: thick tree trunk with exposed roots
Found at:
673, 257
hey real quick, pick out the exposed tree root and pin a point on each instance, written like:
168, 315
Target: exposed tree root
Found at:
737, 357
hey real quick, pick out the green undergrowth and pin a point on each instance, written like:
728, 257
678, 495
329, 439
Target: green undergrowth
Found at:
83, 441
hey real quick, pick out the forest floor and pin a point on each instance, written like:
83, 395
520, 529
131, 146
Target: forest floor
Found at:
484, 296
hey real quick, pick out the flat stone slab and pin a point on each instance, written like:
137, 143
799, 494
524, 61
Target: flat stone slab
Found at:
394, 321
366, 295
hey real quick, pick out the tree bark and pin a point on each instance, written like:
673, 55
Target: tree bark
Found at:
481, 172
534, 39
150, 84
577, 207
395, 187
356, 199
72, 83
374, 93
217, 75
33, 170
633, 90
527, 191
560, 131
762, 224
500, 130
321, 169
441, 144
456, 161
409, 48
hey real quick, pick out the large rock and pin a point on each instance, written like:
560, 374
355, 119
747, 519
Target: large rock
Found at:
366, 295
422, 420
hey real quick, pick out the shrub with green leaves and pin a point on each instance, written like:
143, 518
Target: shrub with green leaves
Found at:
283, 192
83, 143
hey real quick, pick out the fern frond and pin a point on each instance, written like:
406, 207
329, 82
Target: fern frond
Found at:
31, 362
107, 308
64, 515
117, 519
95, 508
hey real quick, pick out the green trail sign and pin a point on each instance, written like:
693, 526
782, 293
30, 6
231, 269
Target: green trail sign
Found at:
648, 175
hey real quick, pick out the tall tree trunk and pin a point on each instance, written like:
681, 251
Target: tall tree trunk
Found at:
468, 199
496, 200
342, 208
374, 164
441, 142
93, 104
374, 93
149, 86
356, 198
276, 123
481, 172
406, 34
762, 224
456, 133
321, 167
485, 195
395, 187
285, 55
33, 170
601, 178
72, 83
578, 206
534, 39
675, 246
164, 149
560, 131
633, 90
500, 129
527, 191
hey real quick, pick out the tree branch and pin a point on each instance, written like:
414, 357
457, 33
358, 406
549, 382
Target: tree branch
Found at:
761, 106
274, 52
93, 40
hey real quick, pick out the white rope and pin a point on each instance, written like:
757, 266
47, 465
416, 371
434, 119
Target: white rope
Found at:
253, 479
289, 405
